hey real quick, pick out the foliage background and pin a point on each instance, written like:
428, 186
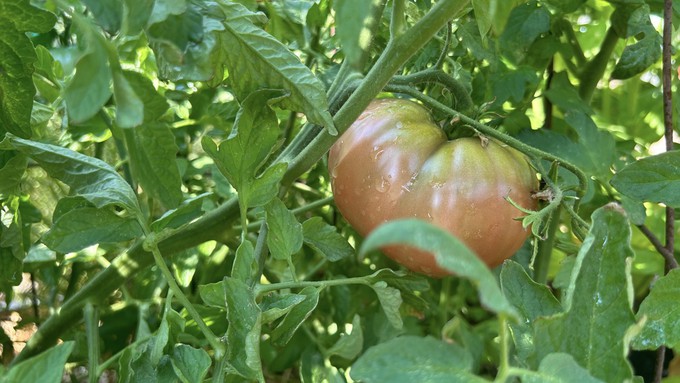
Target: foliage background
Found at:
164, 195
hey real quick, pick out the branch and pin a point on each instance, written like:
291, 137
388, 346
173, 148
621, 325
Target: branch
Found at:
668, 255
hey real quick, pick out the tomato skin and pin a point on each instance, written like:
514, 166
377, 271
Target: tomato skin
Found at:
394, 162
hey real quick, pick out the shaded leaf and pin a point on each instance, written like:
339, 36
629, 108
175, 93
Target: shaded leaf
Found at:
17, 58
525, 24
652, 179
430, 238
296, 316
390, 300
80, 228
350, 345
244, 318
274, 306
559, 368
152, 151
598, 302
325, 239
256, 60
284, 237
639, 56
47, 367
413, 359
89, 177
662, 313
353, 27
129, 106
190, 364
189, 210
249, 145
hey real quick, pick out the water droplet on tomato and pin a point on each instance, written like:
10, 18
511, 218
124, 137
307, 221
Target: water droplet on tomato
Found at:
399, 125
382, 185
378, 154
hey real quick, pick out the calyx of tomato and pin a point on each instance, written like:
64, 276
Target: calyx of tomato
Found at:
395, 162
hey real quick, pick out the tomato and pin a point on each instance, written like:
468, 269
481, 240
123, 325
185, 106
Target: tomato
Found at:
395, 162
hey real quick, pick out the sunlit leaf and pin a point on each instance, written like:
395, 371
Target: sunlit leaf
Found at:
598, 302
430, 238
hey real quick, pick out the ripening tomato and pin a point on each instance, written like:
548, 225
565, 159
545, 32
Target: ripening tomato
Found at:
394, 162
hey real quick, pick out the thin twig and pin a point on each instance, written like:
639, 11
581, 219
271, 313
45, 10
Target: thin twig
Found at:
656, 242
671, 262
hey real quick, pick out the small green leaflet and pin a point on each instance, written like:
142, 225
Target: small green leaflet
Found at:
284, 237
47, 367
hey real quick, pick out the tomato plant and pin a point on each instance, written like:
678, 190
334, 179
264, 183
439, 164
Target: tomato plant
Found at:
395, 162
166, 213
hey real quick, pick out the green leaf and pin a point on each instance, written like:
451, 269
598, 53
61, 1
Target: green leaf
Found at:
89, 177
190, 364
256, 60
492, 15
184, 266
296, 316
639, 56
90, 87
47, 367
274, 306
17, 58
108, 13
11, 174
532, 301
152, 151
390, 301
284, 237
80, 228
154, 104
266, 186
430, 238
408, 359
598, 303
136, 15
249, 145
652, 179
129, 107
325, 240
350, 345
525, 24
243, 334
189, 210
244, 267
353, 27
662, 315
558, 368
592, 150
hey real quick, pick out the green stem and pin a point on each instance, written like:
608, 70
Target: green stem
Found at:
91, 315
504, 364
176, 290
263, 289
297, 211
594, 71
398, 21
545, 247
464, 102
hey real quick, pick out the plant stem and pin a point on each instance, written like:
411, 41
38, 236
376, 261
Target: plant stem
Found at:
263, 289
545, 247
398, 21
91, 315
669, 248
207, 332
594, 70
504, 358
